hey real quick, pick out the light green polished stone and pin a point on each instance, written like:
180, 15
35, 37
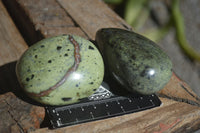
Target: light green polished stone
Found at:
134, 61
46, 62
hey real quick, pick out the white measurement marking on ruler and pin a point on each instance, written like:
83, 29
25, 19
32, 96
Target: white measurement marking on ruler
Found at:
129, 100
122, 108
92, 115
70, 111
152, 102
58, 123
108, 113
82, 108
47, 111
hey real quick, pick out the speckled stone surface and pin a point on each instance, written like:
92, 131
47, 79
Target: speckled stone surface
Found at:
134, 61
46, 62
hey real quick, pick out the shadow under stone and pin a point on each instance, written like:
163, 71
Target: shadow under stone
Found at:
9, 83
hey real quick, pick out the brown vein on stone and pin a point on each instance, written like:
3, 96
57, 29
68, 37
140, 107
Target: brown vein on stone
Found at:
77, 60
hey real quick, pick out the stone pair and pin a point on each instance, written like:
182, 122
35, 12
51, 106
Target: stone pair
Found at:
64, 69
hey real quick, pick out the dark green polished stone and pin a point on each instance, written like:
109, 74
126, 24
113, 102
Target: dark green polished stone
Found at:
134, 61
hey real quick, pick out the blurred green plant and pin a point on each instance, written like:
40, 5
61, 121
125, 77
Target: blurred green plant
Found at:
180, 32
136, 13
115, 2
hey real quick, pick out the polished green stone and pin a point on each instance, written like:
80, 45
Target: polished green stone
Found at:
46, 62
134, 61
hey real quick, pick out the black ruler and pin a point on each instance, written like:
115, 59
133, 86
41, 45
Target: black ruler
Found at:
100, 105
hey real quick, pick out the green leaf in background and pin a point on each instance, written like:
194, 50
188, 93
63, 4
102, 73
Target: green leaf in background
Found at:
133, 9
156, 34
115, 2
141, 19
180, 32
